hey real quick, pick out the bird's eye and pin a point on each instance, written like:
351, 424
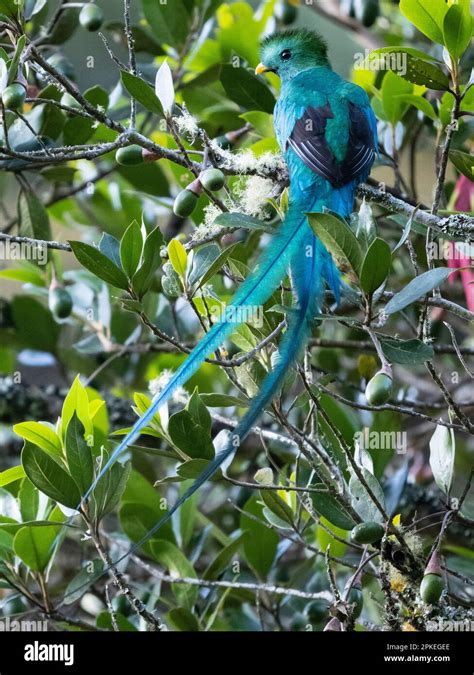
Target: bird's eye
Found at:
285, 55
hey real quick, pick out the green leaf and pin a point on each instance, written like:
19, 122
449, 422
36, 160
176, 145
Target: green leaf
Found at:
137, 519
143, 277
80, 584
418, 67
33, 217
11, 475
78, 130
79, 455
148, 179
53, 122
246, 89
326, 505
191, 435
140, 490
28, 496
110, 247
65, 26
420, 103
277, 506
194, 468
237, 220
394, 88
169, 555
325, 538
442, 455
223, 559
261, 543
141, 92
99, 264
141, 508
25, 276
169, 21
217, 265
417, 288
262, 122
183, 620
222, 401
131, 246
77, 402
35, 545
202, 258
394, 487
339, 239
427, 16
463, 162
187, 514
376, 266
27, 312
361, 500
10, 8
109, 490
41, 435
49, 477
457, 29
178, 258
104, 622
13, 67
407, 352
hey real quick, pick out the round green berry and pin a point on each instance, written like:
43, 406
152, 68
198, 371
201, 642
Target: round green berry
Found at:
212, 179
357, 599
431, 588
14, 96
317, 611
129, 156
367, 533
379, 389
60, 302
185, 203
91, 17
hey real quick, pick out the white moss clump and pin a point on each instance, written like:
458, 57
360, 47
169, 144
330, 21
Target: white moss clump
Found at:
253, 195
208, 228
246, 162
187, 125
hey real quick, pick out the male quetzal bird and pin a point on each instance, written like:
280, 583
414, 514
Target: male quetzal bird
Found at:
327, 132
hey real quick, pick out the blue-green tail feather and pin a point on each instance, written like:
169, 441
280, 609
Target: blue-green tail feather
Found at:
254, 291
299, 325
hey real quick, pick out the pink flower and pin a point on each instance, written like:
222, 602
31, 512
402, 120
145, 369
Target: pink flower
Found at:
465, 192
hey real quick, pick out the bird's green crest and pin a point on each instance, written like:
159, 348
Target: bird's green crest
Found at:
289, 52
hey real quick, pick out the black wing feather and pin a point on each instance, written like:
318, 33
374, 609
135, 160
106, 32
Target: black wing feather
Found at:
309, 142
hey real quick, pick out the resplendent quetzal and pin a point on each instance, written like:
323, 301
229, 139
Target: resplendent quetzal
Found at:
327, 132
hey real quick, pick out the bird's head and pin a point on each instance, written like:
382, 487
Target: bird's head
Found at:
289, 52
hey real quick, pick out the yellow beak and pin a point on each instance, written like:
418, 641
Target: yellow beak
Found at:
261, 68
